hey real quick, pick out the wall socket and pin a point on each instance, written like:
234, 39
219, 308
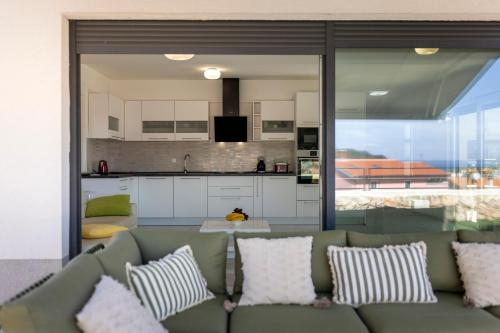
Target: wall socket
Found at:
173, 160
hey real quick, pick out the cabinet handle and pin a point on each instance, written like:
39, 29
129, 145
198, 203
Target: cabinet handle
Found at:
280, 138
226, 198
278, 178
155, 178
158, 138
190, 178
124, 179
122, 188
310, 186
230, 188
311, 202
199, 138
117, 137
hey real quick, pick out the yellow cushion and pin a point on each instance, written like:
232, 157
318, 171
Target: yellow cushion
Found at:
93, 231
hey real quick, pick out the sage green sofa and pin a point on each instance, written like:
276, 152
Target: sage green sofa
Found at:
52, 307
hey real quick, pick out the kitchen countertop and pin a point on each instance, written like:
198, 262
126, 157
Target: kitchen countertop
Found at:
192, 173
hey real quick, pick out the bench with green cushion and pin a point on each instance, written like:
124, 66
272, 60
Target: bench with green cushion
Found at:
53, 306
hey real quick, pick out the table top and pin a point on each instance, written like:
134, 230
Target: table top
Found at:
251, 225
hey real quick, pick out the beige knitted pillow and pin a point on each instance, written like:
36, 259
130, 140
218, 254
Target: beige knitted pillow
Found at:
479, 266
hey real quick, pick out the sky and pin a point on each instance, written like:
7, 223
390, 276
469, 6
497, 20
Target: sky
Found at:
432, 140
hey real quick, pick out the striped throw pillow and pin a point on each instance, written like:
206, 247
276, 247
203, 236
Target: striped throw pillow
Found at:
391, 274
169, 285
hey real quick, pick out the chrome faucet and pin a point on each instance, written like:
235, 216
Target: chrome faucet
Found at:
186, 158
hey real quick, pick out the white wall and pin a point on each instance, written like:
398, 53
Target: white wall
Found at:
34, 137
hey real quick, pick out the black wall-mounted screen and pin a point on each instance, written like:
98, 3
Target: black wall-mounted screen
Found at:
230, 129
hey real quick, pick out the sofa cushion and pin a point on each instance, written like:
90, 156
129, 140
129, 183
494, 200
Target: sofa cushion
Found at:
123, 249
441, 263
53, 306
449, 315
321, 274
110, 205
295, 319
210, 251
466, 236
207, 317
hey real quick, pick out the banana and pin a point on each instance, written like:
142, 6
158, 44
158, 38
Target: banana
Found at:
235, 217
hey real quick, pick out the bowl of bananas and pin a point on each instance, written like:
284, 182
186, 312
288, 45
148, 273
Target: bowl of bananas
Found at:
237, 216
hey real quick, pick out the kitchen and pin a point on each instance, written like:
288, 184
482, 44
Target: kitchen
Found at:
194, 139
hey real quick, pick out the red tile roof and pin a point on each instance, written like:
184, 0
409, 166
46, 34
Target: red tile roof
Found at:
386, 168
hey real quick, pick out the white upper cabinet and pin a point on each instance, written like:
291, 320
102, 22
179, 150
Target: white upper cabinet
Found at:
133, 121
191, 120
307, 109
158, 120
106, 117
277, 120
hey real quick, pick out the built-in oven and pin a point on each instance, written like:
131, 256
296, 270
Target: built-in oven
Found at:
308, 170
307, 138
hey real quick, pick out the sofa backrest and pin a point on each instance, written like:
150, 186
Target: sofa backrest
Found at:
53, 306
210, 251
441, 262
122, 249
321, 275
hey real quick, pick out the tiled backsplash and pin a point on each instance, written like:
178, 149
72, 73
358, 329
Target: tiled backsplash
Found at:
169, 156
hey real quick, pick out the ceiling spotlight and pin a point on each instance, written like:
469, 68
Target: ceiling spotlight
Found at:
426, 51
211, 73
378, 93
179, 57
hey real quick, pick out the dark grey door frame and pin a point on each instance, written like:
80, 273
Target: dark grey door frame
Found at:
257, 37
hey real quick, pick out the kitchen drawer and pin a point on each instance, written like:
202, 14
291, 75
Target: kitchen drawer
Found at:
230, 191
308, 208
307, 191
221, 206
230, 181
191, 136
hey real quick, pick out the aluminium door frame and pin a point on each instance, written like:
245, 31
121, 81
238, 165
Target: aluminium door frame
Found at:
261, 37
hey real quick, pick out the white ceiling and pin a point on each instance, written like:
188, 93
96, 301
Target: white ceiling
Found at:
157, 67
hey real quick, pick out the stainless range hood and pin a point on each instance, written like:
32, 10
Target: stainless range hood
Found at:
231, 127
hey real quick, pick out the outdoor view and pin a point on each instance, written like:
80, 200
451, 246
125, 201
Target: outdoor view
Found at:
417, 140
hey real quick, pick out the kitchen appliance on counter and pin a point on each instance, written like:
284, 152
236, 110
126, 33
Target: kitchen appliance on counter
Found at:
261, 165
281, 167
308, 170
102, 168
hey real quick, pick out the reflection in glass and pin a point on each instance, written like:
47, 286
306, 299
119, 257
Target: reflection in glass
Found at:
425, 155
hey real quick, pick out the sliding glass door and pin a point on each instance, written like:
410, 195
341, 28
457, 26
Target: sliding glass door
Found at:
417, 139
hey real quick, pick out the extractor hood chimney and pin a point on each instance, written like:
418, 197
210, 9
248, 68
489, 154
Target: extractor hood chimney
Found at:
231, 97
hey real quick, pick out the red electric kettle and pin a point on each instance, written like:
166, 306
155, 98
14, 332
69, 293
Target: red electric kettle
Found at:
103, 167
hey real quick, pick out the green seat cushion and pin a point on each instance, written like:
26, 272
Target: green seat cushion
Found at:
466, 236
209, 249
441, 264
123, 249
112, 205
53, 306
321, 273
295, 319
207, 317
449, 315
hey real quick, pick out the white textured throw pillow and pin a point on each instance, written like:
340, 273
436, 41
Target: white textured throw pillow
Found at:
276, 271
169, 285
114, 309
391, 274
479, 266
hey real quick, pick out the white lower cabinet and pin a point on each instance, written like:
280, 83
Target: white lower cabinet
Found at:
221, 206
279, 196
94, 188
257, 196
156, 196
308, 208
190, 196
308, 200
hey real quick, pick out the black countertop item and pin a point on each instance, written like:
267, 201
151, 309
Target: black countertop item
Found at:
180, 173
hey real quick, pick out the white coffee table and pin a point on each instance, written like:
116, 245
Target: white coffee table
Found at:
252, 225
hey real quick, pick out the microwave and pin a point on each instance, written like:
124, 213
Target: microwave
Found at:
307, 138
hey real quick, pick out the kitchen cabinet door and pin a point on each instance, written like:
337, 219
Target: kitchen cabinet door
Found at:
277, 118
277, 110
94, 188
190, 196
279, 196
156, 197
257, 195
116, 118
158, 121
191, 120
98, 109
158, 110
307, 109
133, 121
308, 208
221, 206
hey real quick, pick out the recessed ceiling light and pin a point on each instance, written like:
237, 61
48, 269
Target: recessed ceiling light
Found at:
378, 93
179, 57
211, 73
427, 50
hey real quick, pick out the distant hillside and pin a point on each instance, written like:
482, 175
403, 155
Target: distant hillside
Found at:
353, 153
